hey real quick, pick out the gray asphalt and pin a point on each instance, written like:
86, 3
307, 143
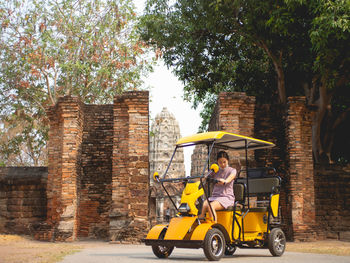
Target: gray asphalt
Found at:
141, 253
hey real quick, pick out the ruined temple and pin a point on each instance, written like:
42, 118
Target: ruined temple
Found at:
165, 132
101, 159
198, 157
96, 184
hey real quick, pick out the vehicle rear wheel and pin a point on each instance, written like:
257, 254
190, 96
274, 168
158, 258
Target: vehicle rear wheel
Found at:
230, 250
277, 242
162, 251
214, 244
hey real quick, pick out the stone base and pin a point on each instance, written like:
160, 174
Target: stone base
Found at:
128, 231
344, 236
43, 231
47, 232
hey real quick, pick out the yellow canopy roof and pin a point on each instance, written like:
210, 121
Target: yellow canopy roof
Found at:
224, 139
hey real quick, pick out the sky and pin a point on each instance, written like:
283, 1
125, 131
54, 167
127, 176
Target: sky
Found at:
167, 91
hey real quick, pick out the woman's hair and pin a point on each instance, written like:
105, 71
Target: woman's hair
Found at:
222, 154
237, 165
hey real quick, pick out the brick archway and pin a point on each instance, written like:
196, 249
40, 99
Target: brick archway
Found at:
98, 169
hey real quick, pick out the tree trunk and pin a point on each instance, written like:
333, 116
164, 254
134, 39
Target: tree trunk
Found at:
277, 63
281, 83
320, 151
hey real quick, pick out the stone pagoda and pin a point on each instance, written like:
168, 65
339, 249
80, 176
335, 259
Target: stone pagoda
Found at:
165, 132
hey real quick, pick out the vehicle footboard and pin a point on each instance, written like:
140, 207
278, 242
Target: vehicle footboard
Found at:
174, 243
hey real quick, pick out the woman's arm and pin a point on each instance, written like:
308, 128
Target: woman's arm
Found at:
229, 179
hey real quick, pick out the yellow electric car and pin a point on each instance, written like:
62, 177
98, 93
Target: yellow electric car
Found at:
253, 220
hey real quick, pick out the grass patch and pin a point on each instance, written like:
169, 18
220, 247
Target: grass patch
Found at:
60, 255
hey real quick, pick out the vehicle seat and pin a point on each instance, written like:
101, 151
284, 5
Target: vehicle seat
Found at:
260, 187
238, 190
259, 172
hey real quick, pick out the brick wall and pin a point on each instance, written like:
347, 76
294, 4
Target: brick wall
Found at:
290, 129
22, 198
98, 175
300, 185
234, 112
332, 201
130, 176
64, 173
270, 125
96, 168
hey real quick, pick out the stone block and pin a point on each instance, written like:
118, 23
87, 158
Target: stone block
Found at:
69, 211
66, 226
344, 235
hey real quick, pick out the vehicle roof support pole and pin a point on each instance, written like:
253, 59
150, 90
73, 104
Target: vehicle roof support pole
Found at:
172, 157
171, 160
169, 196
246, 168
206, 195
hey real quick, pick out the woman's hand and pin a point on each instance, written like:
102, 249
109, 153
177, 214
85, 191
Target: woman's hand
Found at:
222, 181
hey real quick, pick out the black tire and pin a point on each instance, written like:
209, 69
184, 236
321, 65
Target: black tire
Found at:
162, 251
277, 242
214, 244
230, 250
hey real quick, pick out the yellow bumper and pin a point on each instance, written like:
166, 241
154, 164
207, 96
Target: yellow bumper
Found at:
182, 232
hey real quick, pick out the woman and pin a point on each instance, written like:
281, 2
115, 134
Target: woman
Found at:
222, 196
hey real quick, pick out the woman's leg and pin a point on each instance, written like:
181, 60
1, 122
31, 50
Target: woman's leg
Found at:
204, 209
216, 206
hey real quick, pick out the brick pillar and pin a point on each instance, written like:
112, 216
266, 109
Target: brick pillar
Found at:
234, 113
65, 137
130, 169
301, 170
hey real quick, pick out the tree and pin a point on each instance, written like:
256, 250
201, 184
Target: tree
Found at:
62, 47
271, 49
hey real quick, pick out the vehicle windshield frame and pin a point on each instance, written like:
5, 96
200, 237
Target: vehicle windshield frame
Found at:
210, 146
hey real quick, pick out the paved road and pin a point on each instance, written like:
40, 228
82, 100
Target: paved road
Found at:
115, 253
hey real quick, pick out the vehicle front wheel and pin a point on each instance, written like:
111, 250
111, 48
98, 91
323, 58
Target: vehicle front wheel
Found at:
277, 242
162, 251
214, 244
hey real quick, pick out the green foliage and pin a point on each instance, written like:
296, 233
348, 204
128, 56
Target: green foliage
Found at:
270, 49
63, 47
201, 44
330, 34
221, 46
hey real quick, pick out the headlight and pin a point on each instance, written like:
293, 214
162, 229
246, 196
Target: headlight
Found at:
184, 208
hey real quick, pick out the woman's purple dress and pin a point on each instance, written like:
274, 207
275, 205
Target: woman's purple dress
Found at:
224, 193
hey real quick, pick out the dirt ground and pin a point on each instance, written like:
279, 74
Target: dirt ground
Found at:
333, 247
23, 249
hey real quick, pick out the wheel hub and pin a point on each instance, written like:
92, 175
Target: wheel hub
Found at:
279, 242
217, 245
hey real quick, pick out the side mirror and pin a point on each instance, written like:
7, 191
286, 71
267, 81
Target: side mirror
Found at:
156, 177
214, 167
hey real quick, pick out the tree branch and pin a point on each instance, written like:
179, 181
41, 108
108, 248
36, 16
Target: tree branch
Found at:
48, 85
277, 63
